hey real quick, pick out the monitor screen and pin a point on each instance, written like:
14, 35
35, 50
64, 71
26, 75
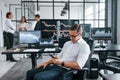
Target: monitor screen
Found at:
46, 42
29, 37
86, 30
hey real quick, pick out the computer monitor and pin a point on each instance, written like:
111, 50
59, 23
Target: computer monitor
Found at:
86, 30
46, 42
29, 37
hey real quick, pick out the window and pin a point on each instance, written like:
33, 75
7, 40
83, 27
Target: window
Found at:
76, 10
46, 10
86, 11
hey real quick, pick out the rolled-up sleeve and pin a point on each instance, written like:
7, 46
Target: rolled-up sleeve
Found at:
83, 56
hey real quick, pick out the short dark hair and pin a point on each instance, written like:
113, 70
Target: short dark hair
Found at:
76, 27
8, 14
37, 15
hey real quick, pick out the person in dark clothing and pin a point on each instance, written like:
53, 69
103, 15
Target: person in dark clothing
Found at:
8, 35
38, 24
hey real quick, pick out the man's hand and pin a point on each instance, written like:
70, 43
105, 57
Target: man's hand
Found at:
42, 65
57, 61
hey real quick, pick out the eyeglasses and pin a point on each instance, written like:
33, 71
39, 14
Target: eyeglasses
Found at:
74, 36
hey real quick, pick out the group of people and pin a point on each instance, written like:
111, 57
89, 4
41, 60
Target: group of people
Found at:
10, 29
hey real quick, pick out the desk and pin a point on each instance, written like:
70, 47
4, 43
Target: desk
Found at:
26, 50
57, 50
102, 37
21, 50
109, 48
103, 52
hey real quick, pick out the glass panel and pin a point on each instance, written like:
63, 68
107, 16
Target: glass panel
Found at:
59, 12
102, 11
91, 0
44, 9
80, 21
31, 10
76, 0
91, 11
18, 16
102, 0
94, 24
44, 0
76, 11
60, 0
101, 24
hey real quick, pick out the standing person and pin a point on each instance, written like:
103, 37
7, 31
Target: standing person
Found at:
38, 24
23, 26
8, 33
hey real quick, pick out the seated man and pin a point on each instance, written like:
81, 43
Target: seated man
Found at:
73, 56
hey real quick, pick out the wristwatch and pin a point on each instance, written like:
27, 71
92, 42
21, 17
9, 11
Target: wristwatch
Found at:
62, 63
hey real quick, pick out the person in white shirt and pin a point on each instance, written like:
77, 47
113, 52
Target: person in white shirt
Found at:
8, 33
74, 55
23, 26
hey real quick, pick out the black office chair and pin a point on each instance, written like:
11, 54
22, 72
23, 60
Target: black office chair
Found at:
62, 41
83, 73
113, 66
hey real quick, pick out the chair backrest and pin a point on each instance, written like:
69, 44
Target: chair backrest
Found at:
80, 74
62, 41
91, 45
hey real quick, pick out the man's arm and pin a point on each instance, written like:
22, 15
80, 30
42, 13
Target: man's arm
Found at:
73, 65
51, 61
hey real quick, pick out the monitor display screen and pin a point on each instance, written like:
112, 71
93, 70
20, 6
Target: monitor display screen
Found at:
86, 30
29, 37
46, 42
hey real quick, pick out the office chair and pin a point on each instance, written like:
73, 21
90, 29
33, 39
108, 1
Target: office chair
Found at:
113, 66
83, 73
62, 41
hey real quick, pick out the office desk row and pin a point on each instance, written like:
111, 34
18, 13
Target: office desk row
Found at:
33, 51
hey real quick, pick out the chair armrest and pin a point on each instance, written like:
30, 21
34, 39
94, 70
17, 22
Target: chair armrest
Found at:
70, 72
67, 73
73, 70
103, 76
111, 57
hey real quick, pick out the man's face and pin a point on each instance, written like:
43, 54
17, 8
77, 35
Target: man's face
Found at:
74, 35
11, 16
36, 19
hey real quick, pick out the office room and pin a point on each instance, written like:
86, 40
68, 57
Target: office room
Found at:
59, 40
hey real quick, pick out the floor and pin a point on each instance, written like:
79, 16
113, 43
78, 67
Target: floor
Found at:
5, 66
19, 69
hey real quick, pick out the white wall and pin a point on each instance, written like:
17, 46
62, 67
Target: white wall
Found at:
118, 22
4, 7
3, 10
